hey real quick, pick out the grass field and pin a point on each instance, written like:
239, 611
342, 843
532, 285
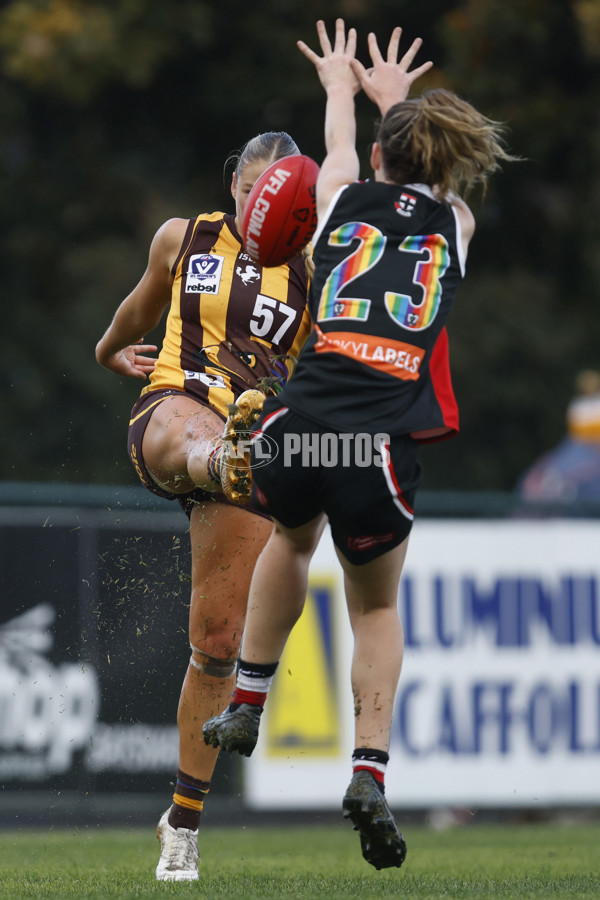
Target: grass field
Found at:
309, 862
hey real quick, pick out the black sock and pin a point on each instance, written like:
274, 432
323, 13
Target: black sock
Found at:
368, 759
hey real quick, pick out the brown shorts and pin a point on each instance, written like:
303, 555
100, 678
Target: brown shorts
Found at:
140, 416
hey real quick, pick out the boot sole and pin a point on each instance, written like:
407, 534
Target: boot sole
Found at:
237, 479
383, 846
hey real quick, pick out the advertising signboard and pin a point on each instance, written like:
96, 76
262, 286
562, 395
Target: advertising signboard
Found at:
499, 698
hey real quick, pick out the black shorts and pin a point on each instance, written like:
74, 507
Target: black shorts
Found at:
140, 416
366, 484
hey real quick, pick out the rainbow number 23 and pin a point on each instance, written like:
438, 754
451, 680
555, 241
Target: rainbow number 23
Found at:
411, 312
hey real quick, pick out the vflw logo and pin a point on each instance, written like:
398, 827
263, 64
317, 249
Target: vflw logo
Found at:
405, 206
204, 273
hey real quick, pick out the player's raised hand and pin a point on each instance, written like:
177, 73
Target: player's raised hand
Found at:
334, 67
389, 81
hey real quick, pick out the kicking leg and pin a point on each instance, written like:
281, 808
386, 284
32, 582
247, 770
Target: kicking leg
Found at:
178, 441
186, 446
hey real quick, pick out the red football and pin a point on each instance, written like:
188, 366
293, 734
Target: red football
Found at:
280, 216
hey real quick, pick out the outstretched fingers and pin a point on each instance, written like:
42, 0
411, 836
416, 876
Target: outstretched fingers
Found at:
392, 53
392, 50
343, 45
374, 51
408, 58
340, 36
324, 37
350, 48
388, 81
313, 57
416, 73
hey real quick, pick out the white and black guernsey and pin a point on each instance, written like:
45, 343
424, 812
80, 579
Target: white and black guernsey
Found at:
388, 262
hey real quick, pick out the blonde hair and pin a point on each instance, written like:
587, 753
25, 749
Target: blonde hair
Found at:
440, 140
309, 265
268, 147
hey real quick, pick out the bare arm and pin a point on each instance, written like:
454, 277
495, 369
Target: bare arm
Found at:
341, 164
388, 81
466, 219
120, 349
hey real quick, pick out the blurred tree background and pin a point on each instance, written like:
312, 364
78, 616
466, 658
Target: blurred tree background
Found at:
115, 116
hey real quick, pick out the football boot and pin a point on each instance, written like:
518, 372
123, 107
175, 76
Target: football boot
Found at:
365, 805
234, 730
236, 475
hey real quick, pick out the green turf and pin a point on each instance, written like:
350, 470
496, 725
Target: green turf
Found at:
325, 862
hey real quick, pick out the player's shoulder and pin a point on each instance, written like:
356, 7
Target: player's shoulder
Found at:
175, 228
171, 232
464, 215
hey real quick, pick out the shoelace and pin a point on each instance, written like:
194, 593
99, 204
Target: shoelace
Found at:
181, 850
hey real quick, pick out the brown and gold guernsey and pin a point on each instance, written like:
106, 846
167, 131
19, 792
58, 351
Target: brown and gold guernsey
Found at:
231, 321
